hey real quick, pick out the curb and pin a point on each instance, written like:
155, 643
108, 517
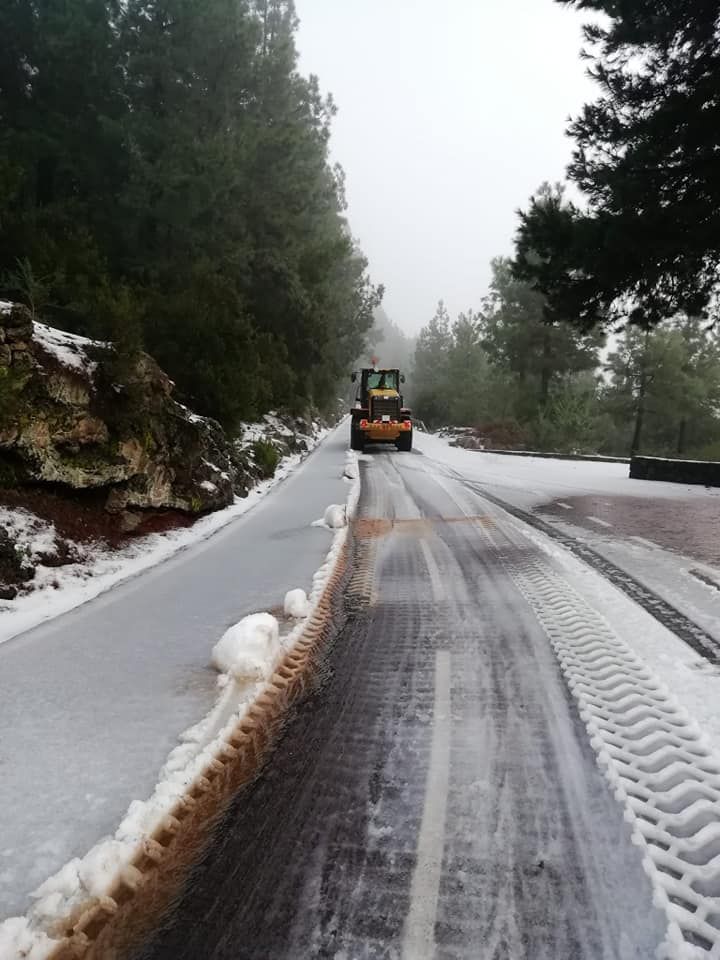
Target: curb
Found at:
589, 458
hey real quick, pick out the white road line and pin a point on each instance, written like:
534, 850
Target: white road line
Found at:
419, 932
565, 506
645, 543
599, 522
436, 583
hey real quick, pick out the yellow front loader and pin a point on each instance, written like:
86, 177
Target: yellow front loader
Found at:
379, 415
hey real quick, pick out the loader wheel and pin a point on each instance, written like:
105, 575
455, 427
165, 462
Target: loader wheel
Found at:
404, 442
357, 441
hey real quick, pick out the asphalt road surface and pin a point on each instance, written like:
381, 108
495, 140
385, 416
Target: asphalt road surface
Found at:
437, 795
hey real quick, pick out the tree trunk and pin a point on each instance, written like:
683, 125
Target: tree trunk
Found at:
640, 409
639, 417
681, 437
545, 368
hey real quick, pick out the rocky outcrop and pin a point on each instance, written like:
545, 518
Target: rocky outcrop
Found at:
75, 416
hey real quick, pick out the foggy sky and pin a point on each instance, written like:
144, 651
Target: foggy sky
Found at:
451, 114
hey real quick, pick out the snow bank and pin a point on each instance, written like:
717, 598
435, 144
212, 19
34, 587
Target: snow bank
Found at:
248, 654
249, 649
351, 469
18, 940
296, 605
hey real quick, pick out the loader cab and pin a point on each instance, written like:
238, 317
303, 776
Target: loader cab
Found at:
376, 380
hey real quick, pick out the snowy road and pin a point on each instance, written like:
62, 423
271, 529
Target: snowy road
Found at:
666, 534
439, 796
92, 703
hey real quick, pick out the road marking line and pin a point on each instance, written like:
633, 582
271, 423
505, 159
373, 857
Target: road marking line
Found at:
601, 523
645, 543
419, 932
705, 578
435, 576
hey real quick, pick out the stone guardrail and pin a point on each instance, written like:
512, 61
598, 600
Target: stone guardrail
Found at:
703, 472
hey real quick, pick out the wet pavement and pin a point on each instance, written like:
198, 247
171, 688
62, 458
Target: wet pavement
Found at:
437, 796
689, 527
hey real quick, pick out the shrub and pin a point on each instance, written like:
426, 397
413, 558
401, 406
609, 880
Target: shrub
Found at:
266, 457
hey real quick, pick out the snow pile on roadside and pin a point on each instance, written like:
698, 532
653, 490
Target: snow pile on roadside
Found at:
335, 517
296, 605
248, 654
249, 649
98, 567
351, 470
68, 349
18, 940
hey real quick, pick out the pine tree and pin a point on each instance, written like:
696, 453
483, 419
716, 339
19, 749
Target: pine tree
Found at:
431, 369
664, 389
538, 349
648, 246
164, 179
62, 158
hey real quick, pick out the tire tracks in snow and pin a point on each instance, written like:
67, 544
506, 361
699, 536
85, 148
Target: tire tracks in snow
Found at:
669, 616
654, 756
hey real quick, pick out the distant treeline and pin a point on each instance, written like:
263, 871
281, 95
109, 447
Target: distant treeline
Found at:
638, 261
525, 382
164, 182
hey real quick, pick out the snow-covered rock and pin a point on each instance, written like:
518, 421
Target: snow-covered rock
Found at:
66, 422
297, 605
68, 348
248, 650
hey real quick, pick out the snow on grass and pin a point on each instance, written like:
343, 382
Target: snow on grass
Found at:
61, 589
68, 349
32, 536
249, 653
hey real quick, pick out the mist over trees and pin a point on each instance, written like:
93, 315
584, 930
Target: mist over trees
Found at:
388, 344
165, 182
636, 261
522, 382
